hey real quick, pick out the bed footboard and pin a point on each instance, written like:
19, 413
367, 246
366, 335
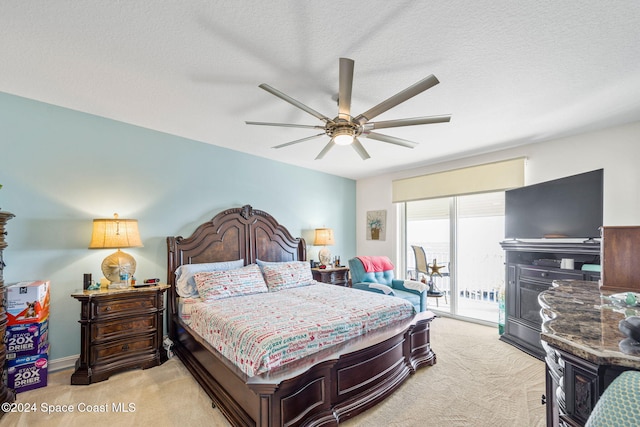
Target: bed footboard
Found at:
324, 391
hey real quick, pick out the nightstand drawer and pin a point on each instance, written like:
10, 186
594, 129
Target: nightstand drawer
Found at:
124, 327
130, 305
123, 349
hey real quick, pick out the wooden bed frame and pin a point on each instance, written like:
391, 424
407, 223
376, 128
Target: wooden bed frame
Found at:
322, 389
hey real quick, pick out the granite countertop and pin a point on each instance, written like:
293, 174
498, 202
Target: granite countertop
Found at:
579, 319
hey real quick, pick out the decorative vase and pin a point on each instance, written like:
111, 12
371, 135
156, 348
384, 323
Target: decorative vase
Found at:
375, 234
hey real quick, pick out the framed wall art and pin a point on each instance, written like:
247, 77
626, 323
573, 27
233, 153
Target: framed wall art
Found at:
377, 225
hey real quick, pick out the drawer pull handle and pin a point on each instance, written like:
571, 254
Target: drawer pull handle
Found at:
125, 347
544, 274
108, 308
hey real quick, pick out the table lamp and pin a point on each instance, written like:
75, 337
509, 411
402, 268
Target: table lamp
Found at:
116, 233
324, 237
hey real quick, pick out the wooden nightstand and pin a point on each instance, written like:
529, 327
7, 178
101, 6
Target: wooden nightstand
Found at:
120, 329
335, 276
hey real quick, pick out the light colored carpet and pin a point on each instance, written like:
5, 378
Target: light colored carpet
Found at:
478, 381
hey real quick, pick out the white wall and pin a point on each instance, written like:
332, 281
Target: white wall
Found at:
617, 150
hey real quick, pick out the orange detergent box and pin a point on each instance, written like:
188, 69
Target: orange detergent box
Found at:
27, 302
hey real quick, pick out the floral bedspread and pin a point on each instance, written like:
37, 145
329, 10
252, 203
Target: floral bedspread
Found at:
262, 331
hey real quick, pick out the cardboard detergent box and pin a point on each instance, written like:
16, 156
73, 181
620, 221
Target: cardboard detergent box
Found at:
27, 302
27, 339
27, 372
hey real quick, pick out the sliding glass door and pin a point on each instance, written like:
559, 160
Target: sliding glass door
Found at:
480, 228
428, 225
462, 235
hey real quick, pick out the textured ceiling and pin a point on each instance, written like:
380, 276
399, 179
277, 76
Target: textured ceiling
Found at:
511, 72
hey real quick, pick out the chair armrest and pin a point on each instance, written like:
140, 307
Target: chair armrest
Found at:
374, 287
412, 286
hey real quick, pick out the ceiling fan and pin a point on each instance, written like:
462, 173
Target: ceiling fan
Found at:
345, 129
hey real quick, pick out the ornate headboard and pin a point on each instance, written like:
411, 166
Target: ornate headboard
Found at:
238, 233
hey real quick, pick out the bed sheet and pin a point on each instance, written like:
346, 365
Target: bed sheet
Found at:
263, 331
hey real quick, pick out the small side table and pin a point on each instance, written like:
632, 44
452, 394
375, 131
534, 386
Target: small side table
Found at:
333, 275
120, 329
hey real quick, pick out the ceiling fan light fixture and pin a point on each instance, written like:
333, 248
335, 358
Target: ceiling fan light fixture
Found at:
343, 136
345, 129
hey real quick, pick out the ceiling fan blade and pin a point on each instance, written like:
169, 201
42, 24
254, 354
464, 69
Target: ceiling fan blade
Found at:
390, 139
345, 88
286, 144
293, 102
360, 149
286, 125
408, 122
326, 149
398, 98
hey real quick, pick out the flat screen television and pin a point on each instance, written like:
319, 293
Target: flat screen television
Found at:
569, 207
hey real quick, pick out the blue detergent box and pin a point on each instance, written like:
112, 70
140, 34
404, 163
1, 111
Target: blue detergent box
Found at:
27, 339
28, 372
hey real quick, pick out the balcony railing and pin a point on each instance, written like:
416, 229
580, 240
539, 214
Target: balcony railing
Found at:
480, 280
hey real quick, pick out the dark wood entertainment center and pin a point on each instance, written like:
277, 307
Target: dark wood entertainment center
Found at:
530, 270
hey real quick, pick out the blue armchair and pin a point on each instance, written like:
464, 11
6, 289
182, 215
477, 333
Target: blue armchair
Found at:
375, 274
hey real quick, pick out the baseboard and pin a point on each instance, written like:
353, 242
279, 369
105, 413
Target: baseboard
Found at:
63, 363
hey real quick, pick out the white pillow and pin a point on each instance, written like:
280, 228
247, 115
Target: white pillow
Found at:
214, 285
185, 283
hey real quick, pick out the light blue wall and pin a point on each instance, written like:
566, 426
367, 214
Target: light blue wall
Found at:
61, 168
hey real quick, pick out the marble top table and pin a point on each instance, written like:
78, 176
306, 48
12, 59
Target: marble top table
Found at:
579, 319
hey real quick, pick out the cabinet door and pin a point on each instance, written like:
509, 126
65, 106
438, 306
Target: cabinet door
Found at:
581, 388
583, 385
512, 294
528, 306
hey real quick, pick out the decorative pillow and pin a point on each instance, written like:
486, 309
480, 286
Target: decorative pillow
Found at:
213, 285
185, 283
283, 275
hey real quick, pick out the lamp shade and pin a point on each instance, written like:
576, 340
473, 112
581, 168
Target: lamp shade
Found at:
115, 233
323, 237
